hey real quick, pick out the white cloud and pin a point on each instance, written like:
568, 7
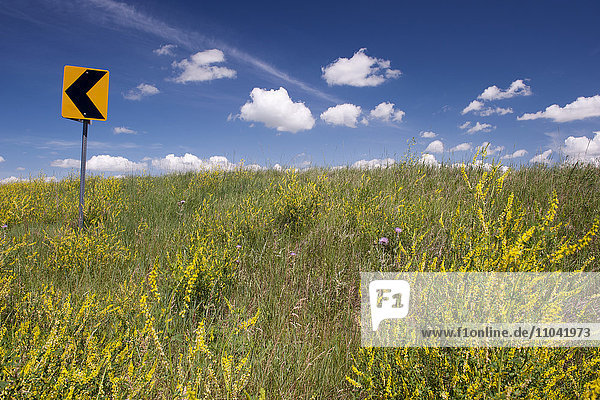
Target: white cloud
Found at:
142, 90
516, 154
121, 129
473, 106
66, 163
543, 158
13, 179
275, 109
498, 110
429, 159
465, 125
2, 159
479, 165
584, 150
517, 88
435, 147
385, 111
198, 67
20, 169
479, 127
253, 167
476, 106
487, 166
374, 163
490, 149
583, 107
342, 114
360, 70
190, 162
462, 147
398, 115
102, 163
165, 50
427, 134
105, 162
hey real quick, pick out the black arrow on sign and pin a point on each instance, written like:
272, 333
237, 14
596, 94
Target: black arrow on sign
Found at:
77, 92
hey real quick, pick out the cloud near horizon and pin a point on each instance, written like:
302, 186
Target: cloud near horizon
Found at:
190, 162
374, 163
429, 159
102, 162
435, 147
516, 154
14, 179
584, 150
462, 147
360, 71
490, 149
543, 158
169, 163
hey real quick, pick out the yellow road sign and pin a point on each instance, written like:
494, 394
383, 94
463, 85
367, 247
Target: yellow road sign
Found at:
85, 93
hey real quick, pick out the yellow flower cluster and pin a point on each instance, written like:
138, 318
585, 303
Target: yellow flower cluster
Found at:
297, 203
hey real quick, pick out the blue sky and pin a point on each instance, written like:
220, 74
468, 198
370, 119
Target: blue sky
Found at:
195, 85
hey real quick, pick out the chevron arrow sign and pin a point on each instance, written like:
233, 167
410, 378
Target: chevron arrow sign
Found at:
85, 93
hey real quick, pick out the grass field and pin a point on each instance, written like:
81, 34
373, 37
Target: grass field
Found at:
241, 284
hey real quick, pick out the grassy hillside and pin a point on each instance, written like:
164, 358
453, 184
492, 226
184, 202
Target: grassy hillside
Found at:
245, 284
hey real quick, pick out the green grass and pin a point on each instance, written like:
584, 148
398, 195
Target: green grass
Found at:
306, 337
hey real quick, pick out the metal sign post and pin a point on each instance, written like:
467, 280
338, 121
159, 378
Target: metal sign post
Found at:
82, 172
84, 98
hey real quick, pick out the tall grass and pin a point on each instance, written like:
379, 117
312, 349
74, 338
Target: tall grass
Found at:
244, 284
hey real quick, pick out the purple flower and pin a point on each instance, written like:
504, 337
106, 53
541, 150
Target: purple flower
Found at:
384, 241
4, 226
182, 202
292, 253
239, 246
398, 230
